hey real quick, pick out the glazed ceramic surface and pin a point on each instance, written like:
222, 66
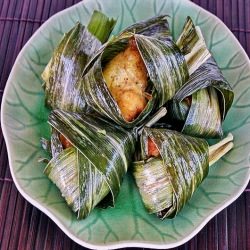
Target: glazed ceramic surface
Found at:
24, 121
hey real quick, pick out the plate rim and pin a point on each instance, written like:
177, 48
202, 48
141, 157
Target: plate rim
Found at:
32, 201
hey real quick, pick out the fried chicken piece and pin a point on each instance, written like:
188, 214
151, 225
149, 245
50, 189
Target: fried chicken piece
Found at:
152, 149
65, 142
127, 79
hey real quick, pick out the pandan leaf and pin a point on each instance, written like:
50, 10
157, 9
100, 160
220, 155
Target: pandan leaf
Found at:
157, 27
168, 181
202, 103
185, 163
69, 59
93, 168
165, 65
192, 44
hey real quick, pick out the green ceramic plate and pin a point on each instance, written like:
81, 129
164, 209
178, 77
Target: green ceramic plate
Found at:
24, 120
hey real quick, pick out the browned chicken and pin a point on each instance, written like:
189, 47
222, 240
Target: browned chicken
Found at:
126, 78
188, 100
65, 142
152, 149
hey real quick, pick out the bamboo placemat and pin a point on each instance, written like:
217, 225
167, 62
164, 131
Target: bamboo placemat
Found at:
22, 226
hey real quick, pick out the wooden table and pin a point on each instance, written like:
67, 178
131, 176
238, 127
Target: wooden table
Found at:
23, 226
